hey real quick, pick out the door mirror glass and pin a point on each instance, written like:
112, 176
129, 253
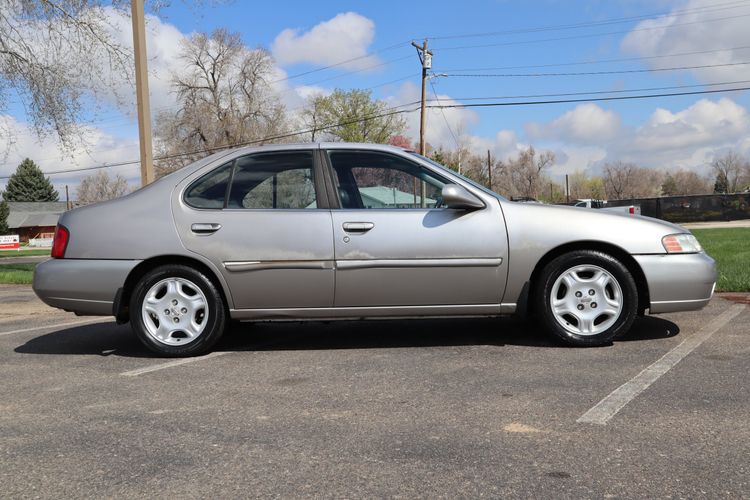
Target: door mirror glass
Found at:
455, 196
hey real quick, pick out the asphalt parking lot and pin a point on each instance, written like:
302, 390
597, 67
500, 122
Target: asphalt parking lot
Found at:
422, 408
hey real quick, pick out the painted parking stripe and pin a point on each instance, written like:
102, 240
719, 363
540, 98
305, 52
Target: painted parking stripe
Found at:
170, 364
608, 407
58, 325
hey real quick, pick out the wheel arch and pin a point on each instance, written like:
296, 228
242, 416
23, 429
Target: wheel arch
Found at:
121, 306
608, 248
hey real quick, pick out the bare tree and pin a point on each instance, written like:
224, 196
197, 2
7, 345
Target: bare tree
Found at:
225, 98
51, 57
685, 182
627, 180
526, 171
730, 169
101, 187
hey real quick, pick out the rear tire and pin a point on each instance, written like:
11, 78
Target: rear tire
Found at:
177, 311
586, 298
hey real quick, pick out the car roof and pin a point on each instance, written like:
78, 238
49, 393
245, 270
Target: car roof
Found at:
318, 145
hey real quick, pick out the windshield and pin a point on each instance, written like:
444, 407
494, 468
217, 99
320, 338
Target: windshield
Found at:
463, 177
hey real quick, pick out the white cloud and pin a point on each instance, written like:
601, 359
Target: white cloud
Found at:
691, 32
438, 131
97, 148
705, 123
346, 36
688, 138
585, 124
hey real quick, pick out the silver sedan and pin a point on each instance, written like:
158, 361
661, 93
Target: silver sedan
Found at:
348, 231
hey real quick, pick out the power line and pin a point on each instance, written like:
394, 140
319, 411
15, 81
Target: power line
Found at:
394, 111
590, 73
602, 61
389, 82
589, 35
442, 111
341, 63
595, 92
387, 112
605, 22
592, 99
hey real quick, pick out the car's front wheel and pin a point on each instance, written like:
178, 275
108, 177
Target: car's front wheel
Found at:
177, 311
586, 298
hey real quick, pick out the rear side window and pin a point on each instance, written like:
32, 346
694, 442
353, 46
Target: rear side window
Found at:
210, 190
274, 181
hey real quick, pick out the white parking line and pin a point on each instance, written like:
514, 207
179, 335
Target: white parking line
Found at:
617, 399
59, 325
170, 364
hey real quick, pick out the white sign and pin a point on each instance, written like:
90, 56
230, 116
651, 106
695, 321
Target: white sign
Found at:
10, 241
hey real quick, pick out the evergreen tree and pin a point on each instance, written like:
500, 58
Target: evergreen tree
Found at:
4, 212
721, 186
669, 186
28, 183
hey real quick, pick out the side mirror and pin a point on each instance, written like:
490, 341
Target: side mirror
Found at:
455, 196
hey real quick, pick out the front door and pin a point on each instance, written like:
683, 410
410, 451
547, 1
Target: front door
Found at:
396, 245
257, 219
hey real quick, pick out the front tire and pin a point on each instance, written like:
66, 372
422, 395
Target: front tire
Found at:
586, 298
177, 311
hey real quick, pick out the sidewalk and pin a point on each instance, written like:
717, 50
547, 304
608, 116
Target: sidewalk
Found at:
716, 225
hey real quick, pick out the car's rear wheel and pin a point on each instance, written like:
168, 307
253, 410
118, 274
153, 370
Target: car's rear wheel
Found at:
177, 311
586, 298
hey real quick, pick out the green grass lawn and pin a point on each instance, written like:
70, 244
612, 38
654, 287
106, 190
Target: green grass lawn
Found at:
23, 252
17, 274
731, 249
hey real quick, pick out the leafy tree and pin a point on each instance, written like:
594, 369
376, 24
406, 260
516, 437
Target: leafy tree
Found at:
101, 187
352, 116
439, 156
28, 183
4, 212
400, 141
582, 186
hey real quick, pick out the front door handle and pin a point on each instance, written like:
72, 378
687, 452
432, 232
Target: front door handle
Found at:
357, 227
205, 227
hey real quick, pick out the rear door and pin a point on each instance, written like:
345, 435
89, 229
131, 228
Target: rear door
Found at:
396, 245
259, 219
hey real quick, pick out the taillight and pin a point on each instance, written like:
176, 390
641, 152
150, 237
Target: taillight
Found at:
632, 210
60, 242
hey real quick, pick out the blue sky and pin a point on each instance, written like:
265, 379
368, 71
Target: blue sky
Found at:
544, 36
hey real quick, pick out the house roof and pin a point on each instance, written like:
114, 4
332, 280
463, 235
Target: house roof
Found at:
33, 214
391, 196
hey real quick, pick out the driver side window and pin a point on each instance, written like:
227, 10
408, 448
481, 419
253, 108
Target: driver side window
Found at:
380, 180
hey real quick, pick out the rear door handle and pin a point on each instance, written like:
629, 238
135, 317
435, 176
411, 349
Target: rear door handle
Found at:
357, 227
205, 227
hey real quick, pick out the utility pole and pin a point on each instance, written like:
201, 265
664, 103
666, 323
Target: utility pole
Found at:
567, 189
489, 169
67, 198
425, 57
141, 91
